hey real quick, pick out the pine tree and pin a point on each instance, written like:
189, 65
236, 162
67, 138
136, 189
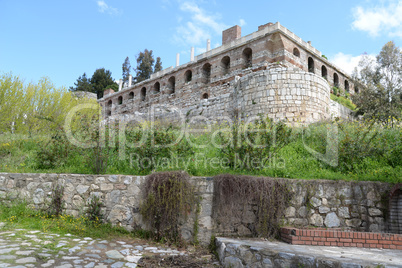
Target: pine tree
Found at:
100, 80
83, 84
126, 69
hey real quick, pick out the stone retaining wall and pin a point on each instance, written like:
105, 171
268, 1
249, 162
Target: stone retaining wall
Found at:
338, 110
358, 206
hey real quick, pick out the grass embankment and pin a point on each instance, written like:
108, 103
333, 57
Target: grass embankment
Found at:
333, 150
344, 101
20, 215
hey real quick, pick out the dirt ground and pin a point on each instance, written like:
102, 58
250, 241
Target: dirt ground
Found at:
196, 258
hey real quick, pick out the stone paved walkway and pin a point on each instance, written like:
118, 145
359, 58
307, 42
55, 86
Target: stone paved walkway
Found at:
22, 248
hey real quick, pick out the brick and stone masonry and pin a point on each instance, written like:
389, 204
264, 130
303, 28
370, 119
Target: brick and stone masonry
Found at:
271, 71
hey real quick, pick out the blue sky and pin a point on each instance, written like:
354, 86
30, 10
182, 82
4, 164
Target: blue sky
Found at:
62, 39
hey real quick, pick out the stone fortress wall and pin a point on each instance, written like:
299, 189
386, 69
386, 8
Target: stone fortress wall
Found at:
271, 71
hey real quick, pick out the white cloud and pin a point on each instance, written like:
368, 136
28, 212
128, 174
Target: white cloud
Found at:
242, 22
379, 19
105, 8
347, 62
199, 27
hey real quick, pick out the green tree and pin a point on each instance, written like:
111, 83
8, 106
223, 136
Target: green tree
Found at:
100, 80
126, 69
158, 65
34, 108
113, 86
145, 63
83, 84
380, 95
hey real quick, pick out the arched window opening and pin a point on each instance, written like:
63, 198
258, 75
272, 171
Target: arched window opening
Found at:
157, 88
356, 90
171, 84
247, 57
296, 52
324, 72
188, 76
206, 73
120, 100
225, 65
205, 96
310, 65
347, 85
131, 95
109, 107
336, 80
143, 93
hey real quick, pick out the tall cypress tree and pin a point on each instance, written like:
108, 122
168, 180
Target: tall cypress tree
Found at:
158, 65
126, 68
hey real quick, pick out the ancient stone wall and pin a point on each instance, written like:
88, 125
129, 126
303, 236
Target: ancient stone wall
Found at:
209, 84
360, 206
338, 110
280, 92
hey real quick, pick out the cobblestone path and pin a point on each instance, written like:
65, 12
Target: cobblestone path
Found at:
24, 248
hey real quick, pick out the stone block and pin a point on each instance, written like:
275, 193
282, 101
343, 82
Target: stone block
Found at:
332, 220
106, 186
374, 212
316, 220
315, 202
81, 189
343, 212
290, 212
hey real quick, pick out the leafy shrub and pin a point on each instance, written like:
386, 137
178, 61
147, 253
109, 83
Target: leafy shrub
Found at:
356, 143
152, 145
54, 152
252, 145
5, 148
94, 210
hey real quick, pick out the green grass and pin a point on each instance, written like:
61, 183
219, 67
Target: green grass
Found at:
366, 152
20, 215
344, 101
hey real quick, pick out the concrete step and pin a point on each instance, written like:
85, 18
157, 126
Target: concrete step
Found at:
238, 253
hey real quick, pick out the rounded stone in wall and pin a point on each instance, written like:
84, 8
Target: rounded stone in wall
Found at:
332, 220
316, 220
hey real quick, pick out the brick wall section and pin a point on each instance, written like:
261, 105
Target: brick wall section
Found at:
339, 238
231, 34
